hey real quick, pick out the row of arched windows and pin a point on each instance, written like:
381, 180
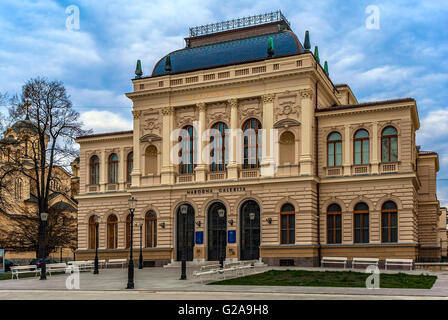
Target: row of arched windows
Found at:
150, 231
361, 147
389, 223
112, 166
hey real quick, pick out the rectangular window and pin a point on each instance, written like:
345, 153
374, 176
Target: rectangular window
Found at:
287, 224
338, 153
361, 228
331, 155
334, 228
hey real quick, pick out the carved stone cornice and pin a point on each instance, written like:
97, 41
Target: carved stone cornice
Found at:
306, 93
269, 97
201, 106
166, 111
233, 103
136, 114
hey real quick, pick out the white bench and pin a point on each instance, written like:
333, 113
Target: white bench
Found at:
101, 263
80, 265
399, 262
56, 267
117, 262
365, 261
15, 271
338, 260
210, 269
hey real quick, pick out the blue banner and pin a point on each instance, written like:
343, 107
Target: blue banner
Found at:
231, 235
199, 237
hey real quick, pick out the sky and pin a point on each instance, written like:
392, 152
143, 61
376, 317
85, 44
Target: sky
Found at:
403, 54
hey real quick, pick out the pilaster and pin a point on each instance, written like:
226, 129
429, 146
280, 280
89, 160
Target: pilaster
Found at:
167, 172
306, 159
136, 171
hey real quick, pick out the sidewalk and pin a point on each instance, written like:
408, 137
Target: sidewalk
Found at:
167, 280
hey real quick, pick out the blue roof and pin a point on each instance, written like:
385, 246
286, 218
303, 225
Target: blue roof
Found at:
229, 52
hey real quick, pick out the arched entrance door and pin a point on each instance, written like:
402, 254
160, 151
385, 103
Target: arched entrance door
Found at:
250, 231
217, 232
185, 231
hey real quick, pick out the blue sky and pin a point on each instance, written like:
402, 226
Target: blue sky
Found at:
405, 57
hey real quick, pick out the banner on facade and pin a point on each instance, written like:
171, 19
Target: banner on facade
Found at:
2, 260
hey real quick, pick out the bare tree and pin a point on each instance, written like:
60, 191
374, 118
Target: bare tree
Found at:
50, 127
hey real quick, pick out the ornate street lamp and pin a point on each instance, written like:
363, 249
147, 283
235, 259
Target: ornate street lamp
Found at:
43, 270
139, 223
251, 218
97, 222
221, 213
183, 211
132, 204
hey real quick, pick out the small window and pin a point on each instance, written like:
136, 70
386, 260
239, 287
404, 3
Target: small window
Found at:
151, 229
334, 149
389, 222
129, 166
287, 224
252, 144
361, 223
112, 232
113, 168
361, 147
389, 145
94, 170
334, 224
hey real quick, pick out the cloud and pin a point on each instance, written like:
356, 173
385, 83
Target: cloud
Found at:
105, 121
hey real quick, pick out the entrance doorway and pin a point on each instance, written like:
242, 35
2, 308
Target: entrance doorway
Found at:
217, 232
185, 231
250, 231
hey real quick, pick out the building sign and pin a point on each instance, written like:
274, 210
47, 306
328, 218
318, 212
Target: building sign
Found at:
199, 237
2, 261
231, 236
219, 190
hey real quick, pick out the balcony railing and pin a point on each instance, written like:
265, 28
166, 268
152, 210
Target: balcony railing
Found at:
249, 173
185, 178
221, 175
360, 169
389, 167
334, 171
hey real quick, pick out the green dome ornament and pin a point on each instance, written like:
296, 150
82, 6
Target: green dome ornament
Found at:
316, 53
138, 70
168, 64
326, 68
307, 43
270, 47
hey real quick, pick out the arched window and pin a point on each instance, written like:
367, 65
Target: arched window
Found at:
361, 223
287, 148
129, 166
151, 229
334, 224
113, 168
361, 147
389, 222
151, 160
389, 145
287, 224
188, 152
252, 144
94, 170
334, 149
219, 153
18, 189
128, 231
92, 232
112, 232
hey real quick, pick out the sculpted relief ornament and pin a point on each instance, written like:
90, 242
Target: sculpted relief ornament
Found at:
218, 112
250, 108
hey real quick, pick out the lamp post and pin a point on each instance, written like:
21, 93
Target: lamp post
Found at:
132, 204
97, 220
140, 258
43, 270
251, 218
183, 211
221, 213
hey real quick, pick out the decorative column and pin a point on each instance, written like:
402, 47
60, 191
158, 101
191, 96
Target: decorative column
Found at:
306, 157
346, 155
136, 173
122, 171
103, 171
201, 168
375, 158
268, 161
167, 172
232, 166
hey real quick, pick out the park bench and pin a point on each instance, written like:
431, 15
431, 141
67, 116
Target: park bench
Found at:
399, 262
101, 263
338, 260
121, 262
56, 267
365, 262
80, 265
15, 271
210, 269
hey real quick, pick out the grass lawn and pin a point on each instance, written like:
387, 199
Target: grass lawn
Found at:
7, 275
330, 279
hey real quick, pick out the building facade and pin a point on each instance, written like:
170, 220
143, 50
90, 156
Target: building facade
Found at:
315, 173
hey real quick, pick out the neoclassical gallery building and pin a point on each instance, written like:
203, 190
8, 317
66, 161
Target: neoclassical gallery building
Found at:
348, 178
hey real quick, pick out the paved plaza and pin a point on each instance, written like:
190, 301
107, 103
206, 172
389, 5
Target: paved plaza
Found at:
164, 283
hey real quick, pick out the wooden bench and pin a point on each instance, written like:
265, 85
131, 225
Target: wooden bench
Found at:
338, 260
399, 262
15, 271
117, 262
365, 261
56, 267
